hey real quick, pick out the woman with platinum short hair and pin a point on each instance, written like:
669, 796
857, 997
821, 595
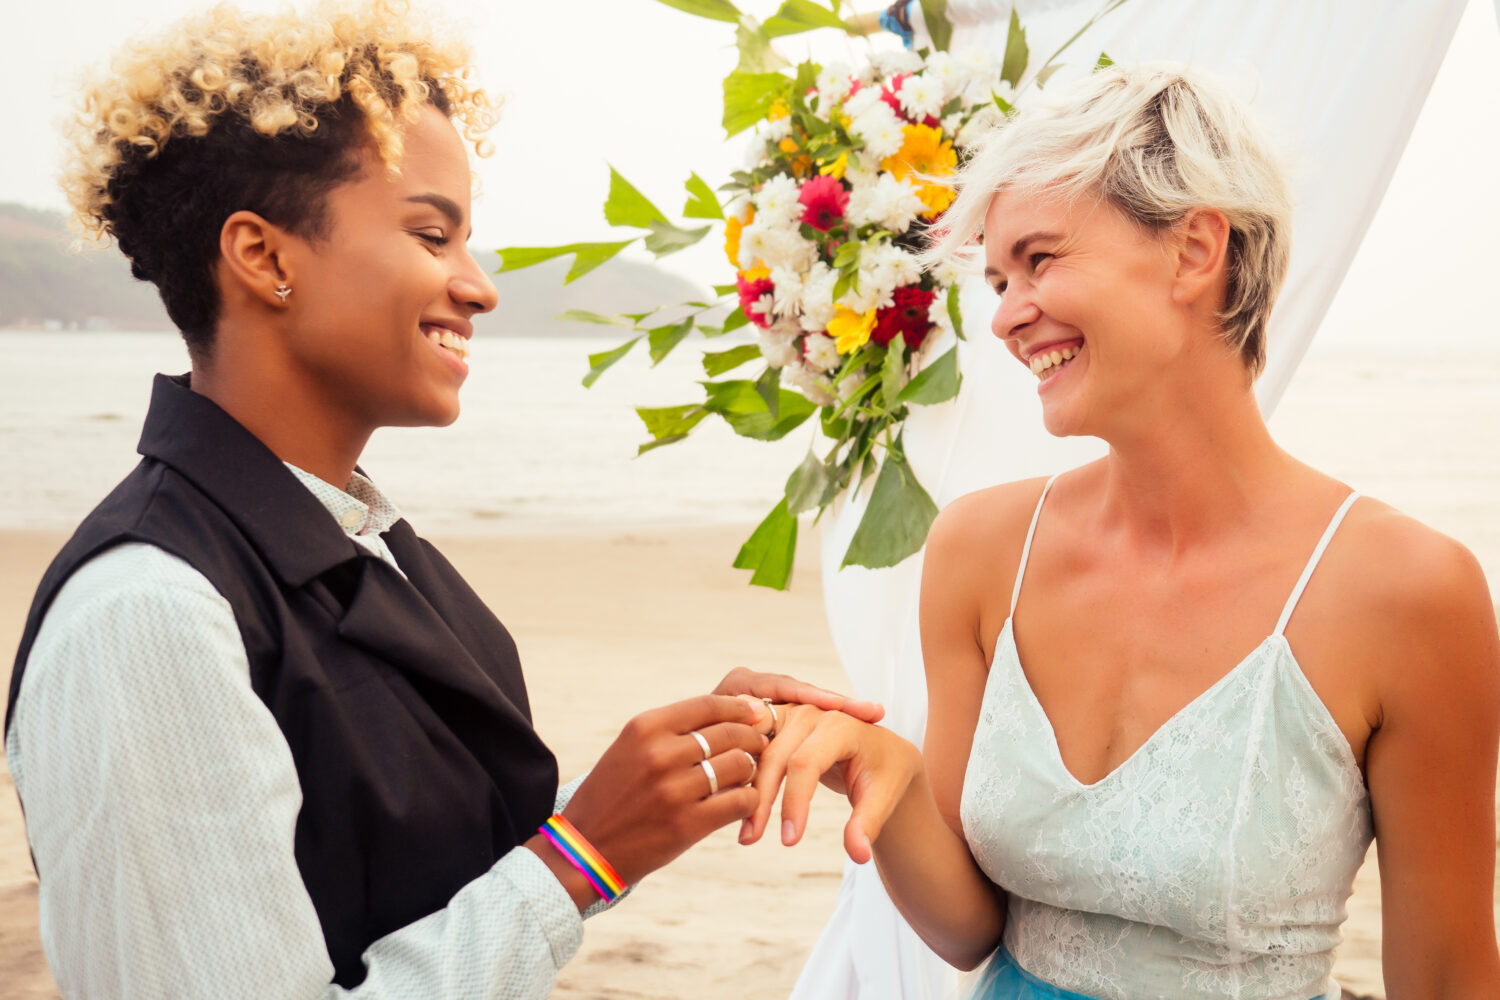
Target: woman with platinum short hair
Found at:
1174, 693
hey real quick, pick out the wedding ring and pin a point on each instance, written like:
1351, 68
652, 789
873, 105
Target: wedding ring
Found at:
754, 767
702, 742
713, 779
775, 720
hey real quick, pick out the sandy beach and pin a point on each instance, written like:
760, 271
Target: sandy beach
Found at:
611, 622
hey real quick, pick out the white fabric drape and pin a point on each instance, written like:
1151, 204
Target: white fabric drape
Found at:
1340, 82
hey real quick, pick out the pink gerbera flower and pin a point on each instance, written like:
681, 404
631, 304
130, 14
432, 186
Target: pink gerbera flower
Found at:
824, 202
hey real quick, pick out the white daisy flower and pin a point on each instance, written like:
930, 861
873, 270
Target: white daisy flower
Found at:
817, 297
880, 129
921, 97
889, 203
778, 346
888, 64
974, 131
975, 64
833, 86
776, 203
861, 102
788, 284
942, 68
822, 352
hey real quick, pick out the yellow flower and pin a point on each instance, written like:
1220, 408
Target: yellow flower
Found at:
779, 110
756, 273
732, 230
789, 145
837, 168
851, 330
924, 155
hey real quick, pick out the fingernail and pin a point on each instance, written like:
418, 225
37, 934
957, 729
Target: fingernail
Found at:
745, 829
788, 832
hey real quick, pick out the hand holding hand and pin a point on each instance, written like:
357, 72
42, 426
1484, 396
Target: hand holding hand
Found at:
874, 767
781, 688
651, 796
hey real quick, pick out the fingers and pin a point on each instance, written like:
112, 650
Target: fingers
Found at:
703, 711
796, 723
720, 737
719, 773
825, 747
781, 688
874, 801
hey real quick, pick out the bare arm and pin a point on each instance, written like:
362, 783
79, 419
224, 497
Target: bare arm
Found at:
1431, 769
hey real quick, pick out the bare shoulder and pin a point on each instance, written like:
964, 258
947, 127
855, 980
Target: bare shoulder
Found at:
1421, 602
981, 527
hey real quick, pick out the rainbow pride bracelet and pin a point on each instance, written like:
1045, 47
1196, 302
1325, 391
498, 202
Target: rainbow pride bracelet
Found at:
582, 855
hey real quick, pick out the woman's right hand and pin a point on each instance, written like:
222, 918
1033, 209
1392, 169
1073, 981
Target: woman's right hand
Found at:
648, 798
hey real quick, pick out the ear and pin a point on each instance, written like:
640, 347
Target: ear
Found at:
254, 256
1201, 252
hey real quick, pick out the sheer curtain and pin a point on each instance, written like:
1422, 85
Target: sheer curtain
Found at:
1340, 82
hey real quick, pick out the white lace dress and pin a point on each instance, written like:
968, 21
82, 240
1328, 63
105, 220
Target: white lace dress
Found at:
1215, 862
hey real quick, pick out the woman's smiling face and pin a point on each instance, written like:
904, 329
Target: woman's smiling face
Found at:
1085, 303
383, 301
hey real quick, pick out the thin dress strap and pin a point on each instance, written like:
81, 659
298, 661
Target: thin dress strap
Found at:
1312, 564
1015, 594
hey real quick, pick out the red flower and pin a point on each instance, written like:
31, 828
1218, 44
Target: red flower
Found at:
907, 315
750, 295
824, 202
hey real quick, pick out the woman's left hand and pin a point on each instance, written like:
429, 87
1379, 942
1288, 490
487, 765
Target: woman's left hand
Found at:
781, 688
872, 766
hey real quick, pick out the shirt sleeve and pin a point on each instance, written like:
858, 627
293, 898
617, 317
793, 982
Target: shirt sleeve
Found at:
161, 801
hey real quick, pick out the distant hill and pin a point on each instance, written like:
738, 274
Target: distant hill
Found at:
43, 283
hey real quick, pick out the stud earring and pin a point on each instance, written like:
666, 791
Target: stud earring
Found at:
282, 291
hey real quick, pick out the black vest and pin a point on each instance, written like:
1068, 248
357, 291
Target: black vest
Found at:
401, 699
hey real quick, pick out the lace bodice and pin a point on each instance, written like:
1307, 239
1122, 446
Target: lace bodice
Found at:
1215, 862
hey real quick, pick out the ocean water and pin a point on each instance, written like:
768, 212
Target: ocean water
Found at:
534, 450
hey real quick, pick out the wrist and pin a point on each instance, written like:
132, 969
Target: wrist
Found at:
571, 879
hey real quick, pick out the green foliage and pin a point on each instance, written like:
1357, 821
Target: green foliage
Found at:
740, 404
666, 238
797, 16
807, 485
701, 203
937, 383
626, 206
718, 363
587, 256
769, 551
935, 16
748, 98
660, 340
1017, 53
896, 519
599, 363
717, 10
955, 314
669, 424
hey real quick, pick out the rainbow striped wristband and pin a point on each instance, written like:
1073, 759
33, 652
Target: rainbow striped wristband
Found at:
582, 855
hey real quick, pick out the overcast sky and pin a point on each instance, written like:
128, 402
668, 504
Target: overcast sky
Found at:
581, 89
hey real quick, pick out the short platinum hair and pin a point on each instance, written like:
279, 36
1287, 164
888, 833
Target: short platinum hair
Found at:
1155, 141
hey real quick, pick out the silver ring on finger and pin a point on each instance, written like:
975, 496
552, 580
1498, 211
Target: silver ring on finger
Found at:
713, 779
775, 720
702, 743
754, 767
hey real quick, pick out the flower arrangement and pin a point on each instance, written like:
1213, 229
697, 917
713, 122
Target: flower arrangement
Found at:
845, 172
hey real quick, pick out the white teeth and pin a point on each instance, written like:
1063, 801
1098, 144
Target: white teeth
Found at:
1044, 364
448, 339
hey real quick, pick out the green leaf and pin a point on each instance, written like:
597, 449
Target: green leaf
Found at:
769, 387
666, 238
735, 320
893, 376
955, 314
717, 10
847, 254
748, 98
770, 549
589, 256
1103, 62
936, 383
897, 518
807, 485
598, 363
584, 316
935, 16
742, 407
1046, 74
797, 16
662, 339
756, 53
703, 203
729, 289
1017, 54
844, 282
626, 206
719, 362
664, 422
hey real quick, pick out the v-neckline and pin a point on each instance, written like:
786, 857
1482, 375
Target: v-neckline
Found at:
1007, 633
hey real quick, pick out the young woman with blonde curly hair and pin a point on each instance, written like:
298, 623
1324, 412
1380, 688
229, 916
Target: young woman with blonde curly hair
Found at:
267, 741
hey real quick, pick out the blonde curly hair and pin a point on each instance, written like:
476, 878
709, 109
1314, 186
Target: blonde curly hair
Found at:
263, 112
